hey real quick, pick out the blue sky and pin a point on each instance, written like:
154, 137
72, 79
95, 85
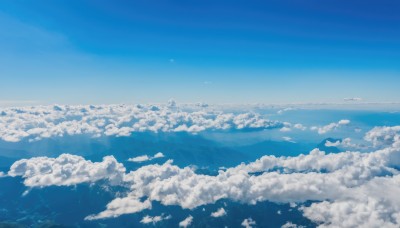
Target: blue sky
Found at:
211, 51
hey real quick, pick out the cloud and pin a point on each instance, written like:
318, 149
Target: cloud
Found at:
375, 204
346, 187
384, 136
219, 213
291, 225
186, 222
248, 223
121, 206
352, 99
300, 127
156, 219
346, 142
288, 139
332, 144
39, 122
327, 128
285, 110
317, 176
144, 158
66, 170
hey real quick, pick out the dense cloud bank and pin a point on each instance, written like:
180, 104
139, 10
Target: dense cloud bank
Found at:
349, 188
35, 123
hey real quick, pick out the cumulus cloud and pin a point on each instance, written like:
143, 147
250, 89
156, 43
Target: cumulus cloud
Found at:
156, 219
144, 158
248, 223
332, 126
186, 222
219, 213
66, 170
384, 136
346, 187
38, 122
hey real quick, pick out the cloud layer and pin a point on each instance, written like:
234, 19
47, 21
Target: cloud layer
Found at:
348, 188
35, 123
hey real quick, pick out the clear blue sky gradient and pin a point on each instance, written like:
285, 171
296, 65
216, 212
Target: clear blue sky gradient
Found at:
215, 51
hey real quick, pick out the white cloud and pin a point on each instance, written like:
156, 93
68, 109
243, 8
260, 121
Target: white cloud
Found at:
144, 158
384, 136
346, 142
332, 144
186, 222
66, 170
327, 128
156, 219
347, 187
289, 139
285, 110
300, 127
248, 223
285, 129
291, 225
38, 122
121, 206
219, 213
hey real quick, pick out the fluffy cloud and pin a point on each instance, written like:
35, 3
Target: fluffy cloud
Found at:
384, 136
317, 176
375, 204
248, 223
35, 123
144, 158
66, 170
219, 213
149, 219
327, 128
347, 187
186, 222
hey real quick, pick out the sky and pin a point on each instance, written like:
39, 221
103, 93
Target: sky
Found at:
214, 51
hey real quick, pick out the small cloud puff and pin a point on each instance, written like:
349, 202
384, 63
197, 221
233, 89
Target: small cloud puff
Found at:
156, 219
186, 222
291, 225
248, 223
327, 128
144, 158
219, 213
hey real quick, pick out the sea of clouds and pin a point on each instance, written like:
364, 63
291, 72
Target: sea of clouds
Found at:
347, 189
39, 122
